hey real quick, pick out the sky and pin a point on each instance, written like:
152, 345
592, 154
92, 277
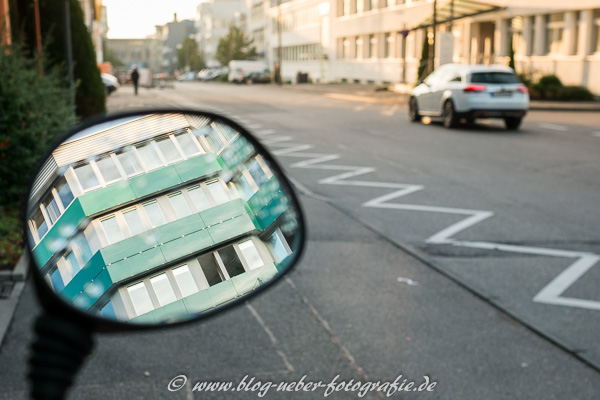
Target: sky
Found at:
136, 18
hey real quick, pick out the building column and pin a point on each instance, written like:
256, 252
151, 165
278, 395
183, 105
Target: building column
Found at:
569, 44
585, 32
466, 45
527, 36
539, 37
501, 41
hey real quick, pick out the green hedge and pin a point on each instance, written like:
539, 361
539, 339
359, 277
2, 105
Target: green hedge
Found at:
550, 87
34, 111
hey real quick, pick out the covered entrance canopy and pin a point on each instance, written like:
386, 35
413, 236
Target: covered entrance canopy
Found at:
450, 10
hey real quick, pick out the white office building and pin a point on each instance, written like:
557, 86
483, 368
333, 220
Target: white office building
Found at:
380, 41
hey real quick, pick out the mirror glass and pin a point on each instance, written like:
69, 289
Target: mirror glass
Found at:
160, 217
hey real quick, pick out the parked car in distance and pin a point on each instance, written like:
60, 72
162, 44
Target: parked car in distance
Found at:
111, 83
187, 77
257, 77
456, 91
239, 68
217, 74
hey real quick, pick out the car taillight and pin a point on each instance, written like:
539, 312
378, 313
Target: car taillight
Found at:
522, 89
474, 88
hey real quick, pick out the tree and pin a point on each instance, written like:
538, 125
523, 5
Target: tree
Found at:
235, 46
423, 70
89, 96
189, 56
511, 55
110, 56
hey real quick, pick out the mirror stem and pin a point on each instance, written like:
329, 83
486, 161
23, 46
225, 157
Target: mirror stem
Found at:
57, 353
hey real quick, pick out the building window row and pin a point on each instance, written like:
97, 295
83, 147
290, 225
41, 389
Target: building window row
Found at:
303, 52
49, 210
350, 7
150, 214
297, 20
123, 164
257, 12
375, 45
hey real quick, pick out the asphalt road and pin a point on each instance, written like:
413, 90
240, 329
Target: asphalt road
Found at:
477, 269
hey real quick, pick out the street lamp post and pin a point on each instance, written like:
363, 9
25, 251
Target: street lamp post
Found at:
68, 46
323, 11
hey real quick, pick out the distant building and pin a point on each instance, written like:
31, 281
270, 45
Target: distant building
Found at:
214, 18
94, 16
145, 53
381, 40
172, 35
165, 215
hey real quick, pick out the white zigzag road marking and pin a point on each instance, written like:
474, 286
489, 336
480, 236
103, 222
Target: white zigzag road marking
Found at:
550, 294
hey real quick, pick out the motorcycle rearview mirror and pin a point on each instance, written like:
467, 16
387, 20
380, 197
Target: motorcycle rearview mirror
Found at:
150, 219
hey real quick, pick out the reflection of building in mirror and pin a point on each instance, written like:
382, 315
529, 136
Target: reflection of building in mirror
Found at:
158, 218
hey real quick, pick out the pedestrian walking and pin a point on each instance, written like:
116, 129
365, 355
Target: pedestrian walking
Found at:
135, 76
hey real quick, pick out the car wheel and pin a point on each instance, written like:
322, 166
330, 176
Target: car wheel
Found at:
513, 123
413, 110
449, 115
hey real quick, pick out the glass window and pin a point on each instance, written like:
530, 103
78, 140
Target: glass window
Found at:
112, 230
108, 311
134, 221
51, 208
278, 249
155, 214
257, 173
250, 253
185, 280
140, 298
168, 149
72, 264
130, 164
149, 156
86, 176
227, 131
187, 144
64, 192
40, 223
163, 290
494, 77
82, 245
108, 169
218, 192
210, 268
199, 198
243, 187
213, 138
232, 263
181, 206
57, 281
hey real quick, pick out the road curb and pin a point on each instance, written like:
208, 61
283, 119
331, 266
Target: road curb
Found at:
15, 282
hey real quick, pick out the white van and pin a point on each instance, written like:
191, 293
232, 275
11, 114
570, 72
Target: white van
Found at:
239, 68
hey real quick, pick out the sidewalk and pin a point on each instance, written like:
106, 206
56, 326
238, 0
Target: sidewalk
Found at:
12, 284
398, 94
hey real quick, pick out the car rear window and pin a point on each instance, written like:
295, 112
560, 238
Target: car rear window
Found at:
494, 77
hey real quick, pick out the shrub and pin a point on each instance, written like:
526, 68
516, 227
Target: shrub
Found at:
550, 81
89, 96
10, 237
574, 93
35, 110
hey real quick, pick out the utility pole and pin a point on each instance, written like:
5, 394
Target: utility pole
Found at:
432, 50
68, 47
38, 36
279, 48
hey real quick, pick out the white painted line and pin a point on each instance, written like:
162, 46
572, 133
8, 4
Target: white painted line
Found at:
281, 354
550, 294
554, 127
597, 134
